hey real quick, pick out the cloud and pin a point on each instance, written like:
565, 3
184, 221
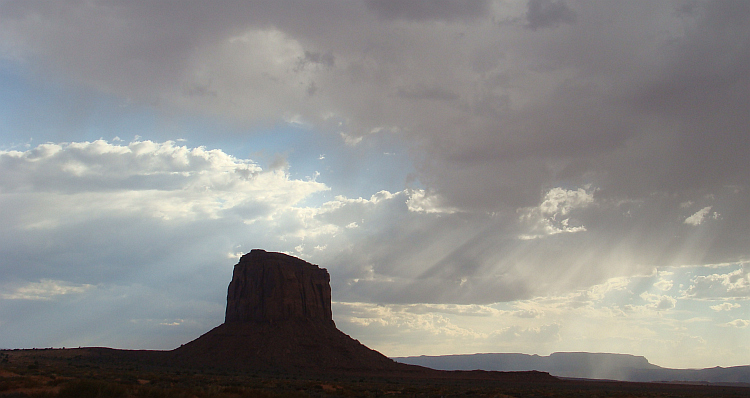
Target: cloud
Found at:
400, 253
551, 217
559, 201
510, 115
529, 313
86, 213
737, 323
698, 217
45, 289
495, 113
429, 10
420, 92
421, 201
664, 284
544, 334
426, 328
725, 306
401, 317
659, 302
160, 180
735, 284
548, 14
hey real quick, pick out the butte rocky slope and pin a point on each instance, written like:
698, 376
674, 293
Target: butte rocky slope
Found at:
278, 317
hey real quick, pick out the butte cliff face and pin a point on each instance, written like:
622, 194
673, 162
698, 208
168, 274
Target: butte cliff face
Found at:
278, 317
272, 287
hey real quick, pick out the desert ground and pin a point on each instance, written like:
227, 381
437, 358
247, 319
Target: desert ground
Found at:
101, 372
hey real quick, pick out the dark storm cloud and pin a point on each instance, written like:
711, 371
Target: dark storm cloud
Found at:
143, 49
446, 10
702, 92
548, 14
673, 106
315, 58
428, 93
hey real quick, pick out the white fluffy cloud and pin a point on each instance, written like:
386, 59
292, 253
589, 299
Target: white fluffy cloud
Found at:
735, 284
45, 289
659, 302
552, 215
738, 323
664, 284
699, 216
725, 306
75, 181
421, 201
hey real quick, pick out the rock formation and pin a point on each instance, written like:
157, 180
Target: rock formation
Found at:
272, 287
278, 317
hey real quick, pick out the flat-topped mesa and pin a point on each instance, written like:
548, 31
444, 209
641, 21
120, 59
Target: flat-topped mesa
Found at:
269, 287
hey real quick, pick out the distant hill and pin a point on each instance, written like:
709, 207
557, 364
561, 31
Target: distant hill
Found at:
584, 365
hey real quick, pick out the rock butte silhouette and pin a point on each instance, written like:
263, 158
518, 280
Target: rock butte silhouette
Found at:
278, 318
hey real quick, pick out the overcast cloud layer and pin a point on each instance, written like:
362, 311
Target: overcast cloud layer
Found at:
491, 176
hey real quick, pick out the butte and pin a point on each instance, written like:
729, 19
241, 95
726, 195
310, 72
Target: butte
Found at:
278, 318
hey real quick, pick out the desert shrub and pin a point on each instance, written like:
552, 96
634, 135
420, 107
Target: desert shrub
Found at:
6, 385
233, 390
55, 381
288, 394
35, 394
42, 394
91, 389
13, 383
157, 392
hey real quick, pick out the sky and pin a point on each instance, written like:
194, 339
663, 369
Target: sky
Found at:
523, 176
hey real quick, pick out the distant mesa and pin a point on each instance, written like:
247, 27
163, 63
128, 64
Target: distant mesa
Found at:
584, 365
